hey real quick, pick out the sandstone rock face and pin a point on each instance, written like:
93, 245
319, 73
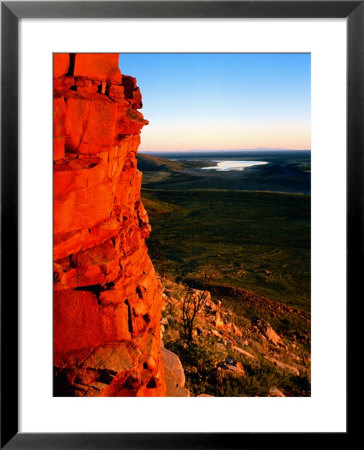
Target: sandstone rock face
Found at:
107, 299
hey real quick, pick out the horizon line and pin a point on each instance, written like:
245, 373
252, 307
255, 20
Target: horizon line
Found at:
231, 150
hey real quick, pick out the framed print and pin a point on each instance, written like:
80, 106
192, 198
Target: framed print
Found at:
170, 257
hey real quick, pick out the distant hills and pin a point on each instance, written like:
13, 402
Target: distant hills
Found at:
155, 164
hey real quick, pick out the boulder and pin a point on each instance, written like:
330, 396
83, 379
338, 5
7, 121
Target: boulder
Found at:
219, 323
238, 370
216, 333
237, 331
275, 392
174, 375
283, 366
243, 352
97, 66
274, 337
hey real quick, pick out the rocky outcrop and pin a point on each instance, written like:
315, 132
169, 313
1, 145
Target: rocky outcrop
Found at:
107, 299
233, 352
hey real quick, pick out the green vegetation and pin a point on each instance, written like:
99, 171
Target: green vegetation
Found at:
203, 377
155, 163
256, 241
243, 238
203, 358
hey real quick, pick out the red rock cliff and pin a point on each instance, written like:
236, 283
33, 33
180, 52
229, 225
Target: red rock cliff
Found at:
107, 300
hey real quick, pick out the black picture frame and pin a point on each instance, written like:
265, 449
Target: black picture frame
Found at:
11, 12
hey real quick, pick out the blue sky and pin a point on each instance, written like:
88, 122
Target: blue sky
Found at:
223, 101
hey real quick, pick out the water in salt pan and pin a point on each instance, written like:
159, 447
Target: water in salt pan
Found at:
225, 166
